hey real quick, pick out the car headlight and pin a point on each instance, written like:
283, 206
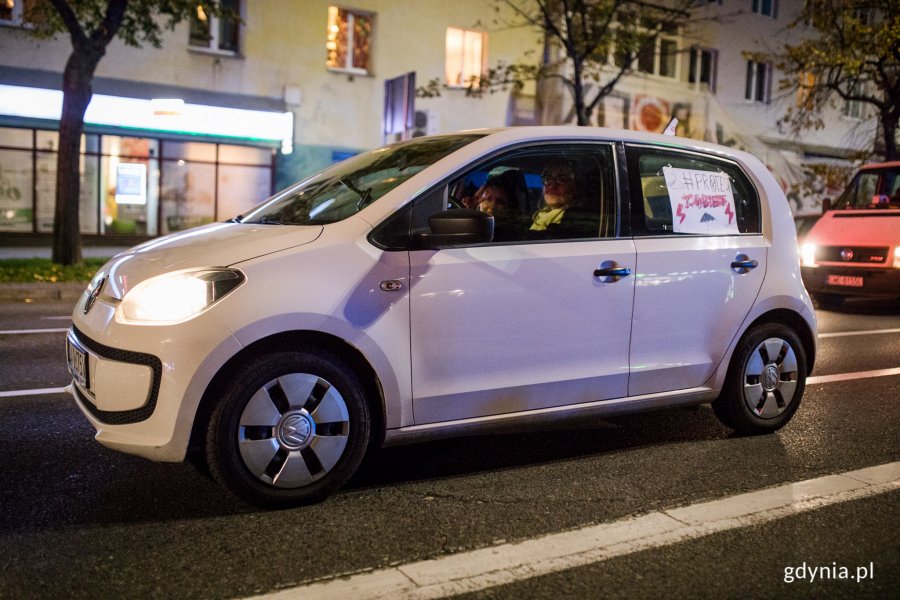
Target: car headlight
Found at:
808, 254
177, 296
897, 257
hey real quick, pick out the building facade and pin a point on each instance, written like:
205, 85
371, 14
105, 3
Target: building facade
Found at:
228, 111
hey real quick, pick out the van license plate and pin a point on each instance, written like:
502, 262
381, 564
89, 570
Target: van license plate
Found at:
845, 280
77, 361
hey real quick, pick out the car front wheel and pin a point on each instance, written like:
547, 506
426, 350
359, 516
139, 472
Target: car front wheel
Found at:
765, 381
291, 429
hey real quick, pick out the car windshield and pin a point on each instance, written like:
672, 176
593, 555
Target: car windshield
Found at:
347, 187
872, 188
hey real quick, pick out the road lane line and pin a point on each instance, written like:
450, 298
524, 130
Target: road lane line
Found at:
62, 318
15, 393
861, 332
502, 564
851, 376
26, 331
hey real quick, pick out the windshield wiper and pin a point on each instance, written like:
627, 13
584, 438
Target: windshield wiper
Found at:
236, 219
268, 221
365, 196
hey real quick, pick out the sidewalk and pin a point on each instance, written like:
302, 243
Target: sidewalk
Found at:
45, 291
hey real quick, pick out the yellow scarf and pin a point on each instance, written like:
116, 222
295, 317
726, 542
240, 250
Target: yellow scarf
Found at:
547, 216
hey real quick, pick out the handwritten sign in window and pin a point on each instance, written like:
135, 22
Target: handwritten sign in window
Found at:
702, 201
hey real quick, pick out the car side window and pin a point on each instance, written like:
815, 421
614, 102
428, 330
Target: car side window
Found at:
562, 192
680, 193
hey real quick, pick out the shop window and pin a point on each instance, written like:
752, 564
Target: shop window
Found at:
465, 56
245, 155
188, 194
45, 187
241, 188
217, 33
130, 179
349, 40
16, 187
759, 82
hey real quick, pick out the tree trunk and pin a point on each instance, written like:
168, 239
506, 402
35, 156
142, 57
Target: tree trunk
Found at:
77, 93
889, 122
578, 92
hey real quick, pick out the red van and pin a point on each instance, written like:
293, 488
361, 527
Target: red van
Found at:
854, 248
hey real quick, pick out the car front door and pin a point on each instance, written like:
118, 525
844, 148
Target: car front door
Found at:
530, 321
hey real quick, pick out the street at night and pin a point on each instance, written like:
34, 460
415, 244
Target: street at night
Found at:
86, 522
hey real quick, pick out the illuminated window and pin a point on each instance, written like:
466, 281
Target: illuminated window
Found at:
349, 40
465, 56
218, 34
15, 12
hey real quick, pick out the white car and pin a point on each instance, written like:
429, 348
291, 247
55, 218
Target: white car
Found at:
368, 306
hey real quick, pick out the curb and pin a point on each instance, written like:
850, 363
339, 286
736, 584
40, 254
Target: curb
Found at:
41, 292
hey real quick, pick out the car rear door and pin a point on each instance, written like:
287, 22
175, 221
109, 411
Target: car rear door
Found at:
701, 260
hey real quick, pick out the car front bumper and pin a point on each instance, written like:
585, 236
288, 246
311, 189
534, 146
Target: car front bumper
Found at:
875, 283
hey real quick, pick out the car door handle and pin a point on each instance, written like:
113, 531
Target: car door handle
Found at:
612, 272
743, 263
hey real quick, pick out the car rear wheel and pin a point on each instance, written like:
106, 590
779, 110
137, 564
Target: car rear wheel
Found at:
292, 428
765, 381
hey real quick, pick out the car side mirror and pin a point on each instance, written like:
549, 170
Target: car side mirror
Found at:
826, 205
456, 227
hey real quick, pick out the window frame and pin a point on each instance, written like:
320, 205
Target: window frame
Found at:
214, 23
695, 68
18, 16
348, 67
752, 84
613, 179
637, 218
757, 7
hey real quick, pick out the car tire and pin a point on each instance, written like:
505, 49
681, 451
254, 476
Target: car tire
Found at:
765, 381
826, 301
290, 430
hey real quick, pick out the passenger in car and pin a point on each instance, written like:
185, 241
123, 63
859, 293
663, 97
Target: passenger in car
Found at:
562, 215
499, 197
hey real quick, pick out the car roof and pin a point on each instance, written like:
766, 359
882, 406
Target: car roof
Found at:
562, 132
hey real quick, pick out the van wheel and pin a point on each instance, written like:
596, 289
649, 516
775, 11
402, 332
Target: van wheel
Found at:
291, 429
827, 300
765, 381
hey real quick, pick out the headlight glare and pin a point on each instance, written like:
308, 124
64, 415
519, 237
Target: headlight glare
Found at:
808, 254
177, 296
897, 257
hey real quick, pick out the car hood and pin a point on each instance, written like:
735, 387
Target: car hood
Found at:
877, 227
214, 245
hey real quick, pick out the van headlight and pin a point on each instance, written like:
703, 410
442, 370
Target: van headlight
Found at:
808, 254
177, 296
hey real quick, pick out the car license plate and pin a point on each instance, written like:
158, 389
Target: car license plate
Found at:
77, 360
845, 280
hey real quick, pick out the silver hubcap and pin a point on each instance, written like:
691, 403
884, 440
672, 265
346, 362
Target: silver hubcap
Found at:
293, 430
770, 378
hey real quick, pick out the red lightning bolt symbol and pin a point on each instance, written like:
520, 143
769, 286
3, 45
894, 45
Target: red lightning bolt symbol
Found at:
728, 212
681, 214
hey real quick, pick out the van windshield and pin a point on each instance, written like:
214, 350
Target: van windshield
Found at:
346, 188
872, 188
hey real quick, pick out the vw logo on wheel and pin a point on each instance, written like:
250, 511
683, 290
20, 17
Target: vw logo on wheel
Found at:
94, 293
295, 431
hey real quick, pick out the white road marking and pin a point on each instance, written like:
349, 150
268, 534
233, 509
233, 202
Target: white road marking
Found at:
15, 393
863, 332
27, 331
507, 563
850, 376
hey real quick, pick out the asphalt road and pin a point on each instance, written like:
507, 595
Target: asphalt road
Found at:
78, 520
